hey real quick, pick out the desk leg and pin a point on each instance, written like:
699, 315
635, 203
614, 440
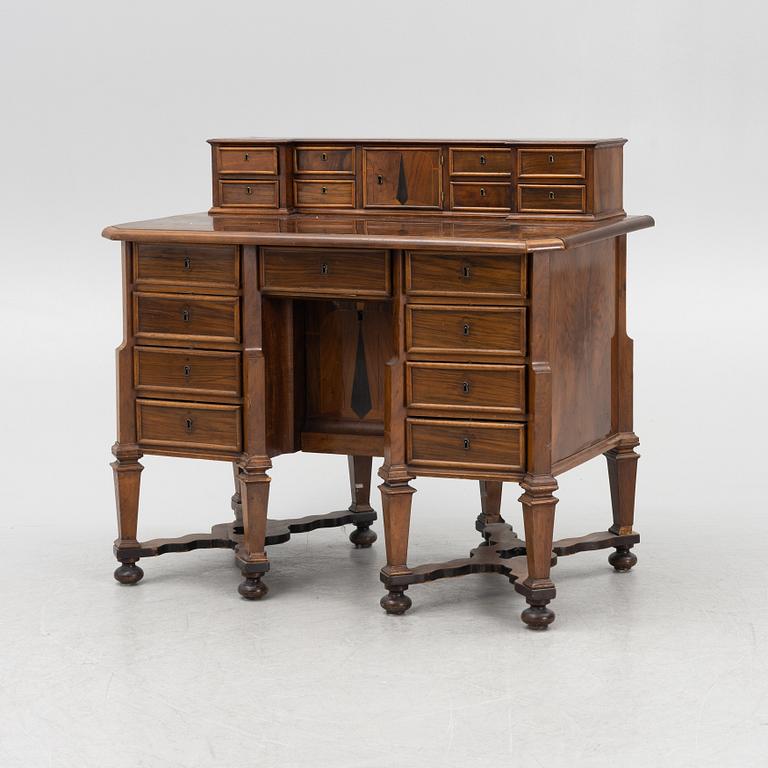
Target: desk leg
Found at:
622, 473
490, 506
127, 473
539, 516
237, 506
251, 556
396, 508
360, 487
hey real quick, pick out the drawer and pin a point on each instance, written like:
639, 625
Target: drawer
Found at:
566, 163
480, 196
471, 275
249, 194
325, 272
193, 372
168, 424
477, 161
195, 266
324, 194
262, 160
480, 445
533, 198
450, 386
324, 160
481, 331
186, 317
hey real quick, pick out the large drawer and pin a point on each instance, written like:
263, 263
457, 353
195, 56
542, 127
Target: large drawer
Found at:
452, 387
470, 275
184, 317
186, 266
478, 445
325, 272
466, 331
187, 372
168, 424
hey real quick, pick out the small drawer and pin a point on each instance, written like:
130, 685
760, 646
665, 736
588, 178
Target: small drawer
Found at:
477, 161
533, 198
249, 194
324, 194
325, 272
261, 160
194, 266
479, 445
324, 160
480, 196
192, 372
453, 387
470, 275
565, 163
168, 424
183, 317
466, 331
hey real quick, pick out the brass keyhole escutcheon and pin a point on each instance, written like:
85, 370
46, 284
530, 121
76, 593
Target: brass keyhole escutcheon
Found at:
323, 190
466, 272
465, 387
466, 443
248, 190
551, 158
245, 157
323, 156
323, 269
551, 195
185, 315
187, 371
482, 160
482, 191
188, 425
465, 329
379, 179
187, 263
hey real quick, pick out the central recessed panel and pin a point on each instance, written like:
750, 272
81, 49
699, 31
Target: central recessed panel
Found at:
402, 178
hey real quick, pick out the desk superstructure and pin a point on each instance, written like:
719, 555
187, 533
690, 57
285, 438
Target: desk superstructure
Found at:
455, 307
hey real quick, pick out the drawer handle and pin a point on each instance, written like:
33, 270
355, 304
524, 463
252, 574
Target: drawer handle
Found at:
188, 425
323, 269
551, 195
323, 190
482, 191
482, 160
466, 272
551, 158
187, 263
323, 156
379, 179
465, 387
465, 330
466, 443
185, 315
245, 157
248, 191
187, 371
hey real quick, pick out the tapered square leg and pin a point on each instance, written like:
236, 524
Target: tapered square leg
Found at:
127, 474
622, 475
251, 555
360, 488
396, 509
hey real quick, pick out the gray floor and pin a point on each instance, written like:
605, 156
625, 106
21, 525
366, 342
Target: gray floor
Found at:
665, 666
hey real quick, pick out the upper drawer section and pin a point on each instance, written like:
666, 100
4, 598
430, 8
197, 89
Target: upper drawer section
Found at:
325, 272
186, 266
324, 160
479, 161
471, 275
402, 178
565, 163
261, 160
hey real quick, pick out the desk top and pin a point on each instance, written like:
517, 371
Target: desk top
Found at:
404, 231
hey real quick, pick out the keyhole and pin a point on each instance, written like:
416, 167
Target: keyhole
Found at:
551, 195
466, 329
248, 190
188, 425
324, 269
482, 160
323, 156
466, 443
323, 190
465, 387
245, 157
187, 263
551, 158
465, 272
185, 315
482, 191
187, 371
379, 179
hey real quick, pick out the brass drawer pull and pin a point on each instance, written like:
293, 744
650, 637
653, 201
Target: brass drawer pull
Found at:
482, 191
323, 156
466, 443
465, 329
483, 161
379, 179
323, 269
465, 272
323, 190
248, 191
188, 425
187, 371
185, 314
187, 263
465, 387
551, 195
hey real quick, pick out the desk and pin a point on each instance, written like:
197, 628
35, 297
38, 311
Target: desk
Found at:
479, 334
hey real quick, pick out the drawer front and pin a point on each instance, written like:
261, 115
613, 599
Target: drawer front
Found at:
324, 160
216, 266
566, 163
469, 444
195, 372
182, 317
472, 275
534, 198
261, 160
480, 196
455, 387
402, 178
480, 162
168, 424
496, 331
325, 272
249, 194
324, 194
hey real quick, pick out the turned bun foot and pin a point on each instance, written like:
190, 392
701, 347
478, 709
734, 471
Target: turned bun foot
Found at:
252, 588
622, 559
129, 573
362, 537
537, 617
395, 602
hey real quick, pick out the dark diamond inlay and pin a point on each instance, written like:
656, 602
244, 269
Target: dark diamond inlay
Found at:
402, 185
361, 391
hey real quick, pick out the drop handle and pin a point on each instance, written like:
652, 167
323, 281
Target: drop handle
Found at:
465, 387
188, 425
466, 444
185, 314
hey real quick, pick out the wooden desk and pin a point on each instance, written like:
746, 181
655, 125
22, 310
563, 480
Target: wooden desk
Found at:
479, 334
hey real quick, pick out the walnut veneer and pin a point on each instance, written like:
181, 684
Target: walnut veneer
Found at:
455, 307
